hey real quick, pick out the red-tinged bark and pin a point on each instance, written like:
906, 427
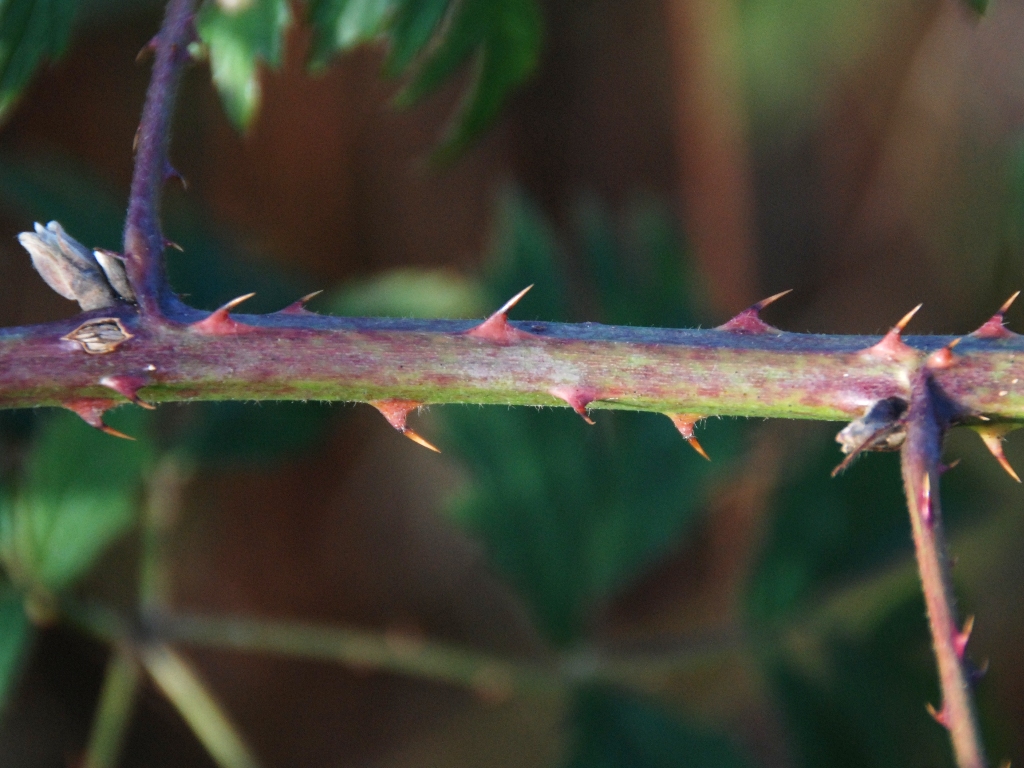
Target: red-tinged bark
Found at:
144, 241
929, 415
311, 357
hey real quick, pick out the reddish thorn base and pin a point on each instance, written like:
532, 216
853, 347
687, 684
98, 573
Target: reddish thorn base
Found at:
993, 328
577, 398
941, 359
91, 410
219, 322
925, 499
299, 307
939, 715
685, 422
749, 320
961, 638
128, 387
497, 330
396, 411
891, 347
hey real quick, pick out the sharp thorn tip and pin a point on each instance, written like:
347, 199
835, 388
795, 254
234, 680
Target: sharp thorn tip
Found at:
905, 320
420, 441
771, 299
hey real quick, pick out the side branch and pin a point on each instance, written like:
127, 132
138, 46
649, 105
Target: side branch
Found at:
143, 238
927, 419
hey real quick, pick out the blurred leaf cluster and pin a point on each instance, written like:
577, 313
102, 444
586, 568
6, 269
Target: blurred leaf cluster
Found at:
428, 41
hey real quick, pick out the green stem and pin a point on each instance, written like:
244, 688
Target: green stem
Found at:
113, 714
183, 687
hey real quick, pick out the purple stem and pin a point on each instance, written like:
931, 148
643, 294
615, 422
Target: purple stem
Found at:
143, 238
927, 420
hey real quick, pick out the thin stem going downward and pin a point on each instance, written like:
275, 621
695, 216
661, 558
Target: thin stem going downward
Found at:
143, 238
927, 420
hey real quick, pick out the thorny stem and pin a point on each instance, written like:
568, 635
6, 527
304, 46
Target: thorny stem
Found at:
143, 238
927, 419
308, 357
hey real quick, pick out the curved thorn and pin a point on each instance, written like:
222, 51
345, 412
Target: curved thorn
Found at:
419, 440
496, 328
695, 444
749, 320
577, 398
891, 347
91, 411
963, 636
128, 387
943, 358
994, 327
219, 322
993, 437
235, 302
514, 300
396, 412
1008, 303
299, 307
938, 715
770, 300
685, 422
905, 320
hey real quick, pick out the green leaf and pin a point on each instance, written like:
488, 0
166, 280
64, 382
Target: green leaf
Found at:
415, 24
504, 38
238, 40
15, 637
979, 6
30, 31
340, 25
615, 730
79, 494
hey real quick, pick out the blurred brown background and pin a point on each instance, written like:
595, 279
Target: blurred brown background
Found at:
863, 153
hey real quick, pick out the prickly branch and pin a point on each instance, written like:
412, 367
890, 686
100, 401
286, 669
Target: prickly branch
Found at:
137, 342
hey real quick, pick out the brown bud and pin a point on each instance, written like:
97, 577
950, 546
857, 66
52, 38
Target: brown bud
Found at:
72, 270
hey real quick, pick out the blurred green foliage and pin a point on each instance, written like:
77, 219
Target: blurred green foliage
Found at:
429, 40
15, 636
78, 493
238, 40
31, 31
614, 730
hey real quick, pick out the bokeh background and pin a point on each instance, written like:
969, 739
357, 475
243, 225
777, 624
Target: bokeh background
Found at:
592, 596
